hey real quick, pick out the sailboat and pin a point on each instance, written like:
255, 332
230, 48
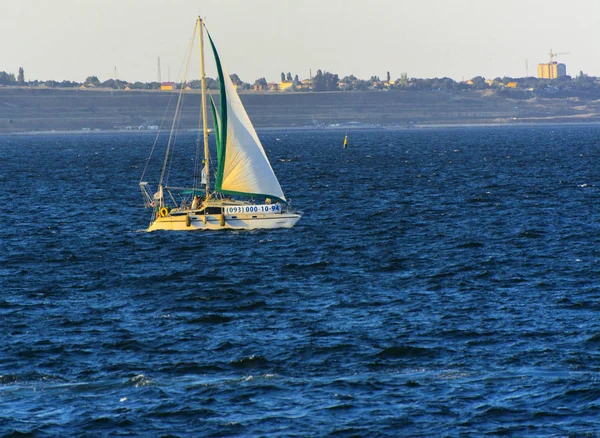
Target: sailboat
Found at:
243, 193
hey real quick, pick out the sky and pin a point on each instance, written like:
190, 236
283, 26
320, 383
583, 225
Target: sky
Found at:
460, 39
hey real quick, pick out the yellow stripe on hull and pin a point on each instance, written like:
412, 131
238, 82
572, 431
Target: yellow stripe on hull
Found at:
214, 222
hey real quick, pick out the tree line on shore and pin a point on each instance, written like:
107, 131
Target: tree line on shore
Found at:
326, 81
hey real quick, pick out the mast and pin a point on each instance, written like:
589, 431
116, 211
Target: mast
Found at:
204, 117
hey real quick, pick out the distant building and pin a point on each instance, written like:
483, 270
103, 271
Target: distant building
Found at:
511, 85
551, 70
167, 86
285, 85
306, 84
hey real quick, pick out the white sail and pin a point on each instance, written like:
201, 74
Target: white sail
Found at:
204, 175
246, 167
158, 195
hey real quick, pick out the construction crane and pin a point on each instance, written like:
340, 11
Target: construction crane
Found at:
554, 55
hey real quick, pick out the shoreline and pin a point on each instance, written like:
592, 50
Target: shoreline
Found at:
416, 127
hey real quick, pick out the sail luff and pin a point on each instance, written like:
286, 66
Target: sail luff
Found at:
217, 125
223, 119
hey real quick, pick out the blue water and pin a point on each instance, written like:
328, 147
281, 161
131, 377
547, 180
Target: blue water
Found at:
441, 282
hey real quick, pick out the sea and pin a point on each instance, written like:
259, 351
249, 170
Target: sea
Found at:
441, 282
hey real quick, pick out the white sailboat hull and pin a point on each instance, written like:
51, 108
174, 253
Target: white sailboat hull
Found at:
180, 222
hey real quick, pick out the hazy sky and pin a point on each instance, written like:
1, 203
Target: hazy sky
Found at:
73, 39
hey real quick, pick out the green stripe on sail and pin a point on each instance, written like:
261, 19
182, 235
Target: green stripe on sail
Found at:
222, 140
251, 195
216, 123
193, 192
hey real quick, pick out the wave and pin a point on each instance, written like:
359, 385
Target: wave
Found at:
210, 319
407, 351
250, 362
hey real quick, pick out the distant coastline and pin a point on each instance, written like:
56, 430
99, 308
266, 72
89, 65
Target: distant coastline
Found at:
34, 110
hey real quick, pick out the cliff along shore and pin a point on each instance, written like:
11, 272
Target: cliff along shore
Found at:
24, 110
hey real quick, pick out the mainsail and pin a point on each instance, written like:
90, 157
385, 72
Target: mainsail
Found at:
244, 168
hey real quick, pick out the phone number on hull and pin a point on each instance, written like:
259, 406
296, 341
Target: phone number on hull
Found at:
274, 208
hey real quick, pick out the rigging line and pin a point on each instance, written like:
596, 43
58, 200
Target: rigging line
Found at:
171, 143
160, 129
171, 196
176, 119
197, 181
164, 117
183, 74
199, 164
174, 143
207, 187
178, 106
199, 144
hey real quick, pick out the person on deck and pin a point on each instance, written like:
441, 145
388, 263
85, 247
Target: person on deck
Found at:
196, 202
